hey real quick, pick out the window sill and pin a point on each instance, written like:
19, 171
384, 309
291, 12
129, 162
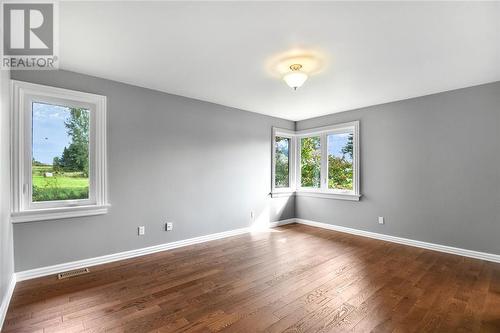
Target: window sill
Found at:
57, 213
282, 194
325, 195
317, 194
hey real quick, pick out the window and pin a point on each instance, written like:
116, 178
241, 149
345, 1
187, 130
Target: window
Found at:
282, 151
59, 153
283, 162
340, 161
310, 162
327, 162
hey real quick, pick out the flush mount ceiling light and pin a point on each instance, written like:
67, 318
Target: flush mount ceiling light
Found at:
296, 66
295, 78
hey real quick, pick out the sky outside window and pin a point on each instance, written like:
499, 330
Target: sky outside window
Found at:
49, 132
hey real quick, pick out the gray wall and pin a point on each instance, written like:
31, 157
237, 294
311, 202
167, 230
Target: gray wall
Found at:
6, 248
430, 165
201, 165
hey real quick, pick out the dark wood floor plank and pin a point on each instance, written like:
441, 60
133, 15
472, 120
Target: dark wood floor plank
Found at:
294, 278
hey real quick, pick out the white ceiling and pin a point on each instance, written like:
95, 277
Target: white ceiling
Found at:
377, 51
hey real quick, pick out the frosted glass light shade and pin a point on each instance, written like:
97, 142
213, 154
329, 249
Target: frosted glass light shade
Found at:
295, 79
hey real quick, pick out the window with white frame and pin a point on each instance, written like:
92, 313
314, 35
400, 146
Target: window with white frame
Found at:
327, 161
282, 146
310, 162
283, 161
59, 153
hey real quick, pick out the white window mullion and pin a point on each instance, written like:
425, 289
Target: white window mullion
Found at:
293, 163
356, 165
297, 163
324, 163
273, 161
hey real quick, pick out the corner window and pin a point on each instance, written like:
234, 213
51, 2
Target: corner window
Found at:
327, 162
59, 153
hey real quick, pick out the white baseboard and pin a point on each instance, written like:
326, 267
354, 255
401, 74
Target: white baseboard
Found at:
282, 222
44, 271
6, 300
49, 270
400, 240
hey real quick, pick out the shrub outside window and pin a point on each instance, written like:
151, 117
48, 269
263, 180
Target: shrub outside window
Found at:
310, 162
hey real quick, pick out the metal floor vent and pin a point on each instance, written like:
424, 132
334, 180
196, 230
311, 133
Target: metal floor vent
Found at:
75, 272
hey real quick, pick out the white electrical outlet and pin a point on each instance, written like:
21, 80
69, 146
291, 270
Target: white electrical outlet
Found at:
381, 220
169, 226
141, 230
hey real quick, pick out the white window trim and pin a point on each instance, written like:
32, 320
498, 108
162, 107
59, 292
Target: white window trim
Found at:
323, 191
23, 210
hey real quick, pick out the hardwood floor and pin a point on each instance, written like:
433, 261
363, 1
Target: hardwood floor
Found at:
292, 279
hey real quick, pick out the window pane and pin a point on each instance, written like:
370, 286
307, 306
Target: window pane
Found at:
282, 154
340, 156
60, 150
310, 162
